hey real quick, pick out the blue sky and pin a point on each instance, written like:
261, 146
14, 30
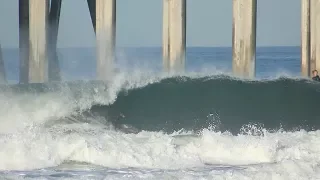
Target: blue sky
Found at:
139, 23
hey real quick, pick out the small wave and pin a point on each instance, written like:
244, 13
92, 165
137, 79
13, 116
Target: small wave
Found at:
41, 148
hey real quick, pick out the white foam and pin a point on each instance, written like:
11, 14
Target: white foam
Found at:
281, 154
20, 110
27, 144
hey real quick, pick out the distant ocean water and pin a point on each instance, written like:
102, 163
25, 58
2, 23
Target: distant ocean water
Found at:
145, 124
79, 63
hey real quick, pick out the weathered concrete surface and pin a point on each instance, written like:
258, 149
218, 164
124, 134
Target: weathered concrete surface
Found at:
92, 11
38, 62
313, 34
316, 23
105, 38
174, 35
2, 68
244, 38
54, 18
24, 41
165, 35
305, 38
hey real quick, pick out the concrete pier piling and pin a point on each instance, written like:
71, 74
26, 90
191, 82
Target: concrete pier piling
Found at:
244, 38
92, 11
305, 38
2, 69
38, 31
174, 35
310, 36
38, 63
24, 41
54, 18
165, 35
105, 38
313, 34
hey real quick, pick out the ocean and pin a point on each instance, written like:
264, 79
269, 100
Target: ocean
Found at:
204, 123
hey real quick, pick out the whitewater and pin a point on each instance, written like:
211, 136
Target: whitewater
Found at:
45, 134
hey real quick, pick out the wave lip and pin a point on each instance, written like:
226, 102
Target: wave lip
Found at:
194, 103
47, 125
166, 102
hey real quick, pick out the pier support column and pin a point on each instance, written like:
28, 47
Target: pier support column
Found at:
165, 35
38, 63
92, 11
2, 68
105, 37
244, 38
305, 38
312, 35
174, 35
54, 18
24, 41
315, 35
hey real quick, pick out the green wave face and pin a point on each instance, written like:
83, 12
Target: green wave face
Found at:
195, 103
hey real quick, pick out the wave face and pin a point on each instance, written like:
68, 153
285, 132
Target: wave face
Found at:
228, 104
160, 127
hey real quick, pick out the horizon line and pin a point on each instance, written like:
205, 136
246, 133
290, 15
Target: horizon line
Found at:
89, 47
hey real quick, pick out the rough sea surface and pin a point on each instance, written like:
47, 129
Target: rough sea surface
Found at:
204, 123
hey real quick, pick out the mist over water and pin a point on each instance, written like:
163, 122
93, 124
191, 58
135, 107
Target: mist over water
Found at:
148, 125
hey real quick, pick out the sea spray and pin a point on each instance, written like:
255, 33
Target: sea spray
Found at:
40, 148
195, 122
24, 105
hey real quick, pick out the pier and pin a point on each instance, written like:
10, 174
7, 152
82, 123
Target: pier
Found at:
174, 35
39, 24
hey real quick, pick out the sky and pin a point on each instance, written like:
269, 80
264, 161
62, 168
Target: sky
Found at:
139, 23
